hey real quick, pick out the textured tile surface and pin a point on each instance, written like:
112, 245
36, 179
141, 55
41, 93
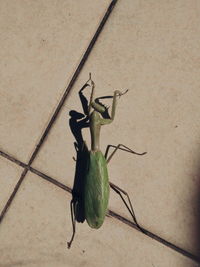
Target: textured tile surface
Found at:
41, 44
10, 174
151, 48
37, 226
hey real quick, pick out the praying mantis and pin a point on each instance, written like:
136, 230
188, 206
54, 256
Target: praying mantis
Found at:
96, 186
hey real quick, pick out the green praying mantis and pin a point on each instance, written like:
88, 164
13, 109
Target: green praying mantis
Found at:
96, 182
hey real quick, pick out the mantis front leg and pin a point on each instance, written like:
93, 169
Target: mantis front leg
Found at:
92, 94
104, 121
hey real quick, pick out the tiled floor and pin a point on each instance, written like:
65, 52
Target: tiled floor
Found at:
149, 47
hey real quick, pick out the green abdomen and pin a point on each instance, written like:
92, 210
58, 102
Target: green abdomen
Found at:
96, 193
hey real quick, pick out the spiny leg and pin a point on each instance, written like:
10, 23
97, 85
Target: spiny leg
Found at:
120, 147
92, 94
120, 191
117, 189
84, 102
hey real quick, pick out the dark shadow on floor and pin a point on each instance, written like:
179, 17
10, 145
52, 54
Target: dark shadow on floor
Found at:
77, 122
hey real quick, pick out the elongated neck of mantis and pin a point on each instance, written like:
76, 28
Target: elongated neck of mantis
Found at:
95, 126
95, 143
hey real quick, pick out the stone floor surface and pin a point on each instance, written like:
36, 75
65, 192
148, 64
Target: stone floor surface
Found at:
152, 49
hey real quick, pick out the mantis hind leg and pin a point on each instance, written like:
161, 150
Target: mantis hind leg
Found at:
117, 189
128, 204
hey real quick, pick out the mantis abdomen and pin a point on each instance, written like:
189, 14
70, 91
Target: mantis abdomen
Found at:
96, 193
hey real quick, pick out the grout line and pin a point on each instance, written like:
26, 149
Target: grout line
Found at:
155, 237
60, 105
110, 212
8, 203
51, 180
11, 158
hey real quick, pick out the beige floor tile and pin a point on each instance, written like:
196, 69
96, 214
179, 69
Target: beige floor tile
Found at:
10, 174
35, 231
41, 44
152, 48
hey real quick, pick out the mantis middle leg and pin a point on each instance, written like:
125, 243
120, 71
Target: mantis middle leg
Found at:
120, 147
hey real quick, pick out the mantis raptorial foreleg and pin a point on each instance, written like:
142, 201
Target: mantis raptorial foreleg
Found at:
92, 93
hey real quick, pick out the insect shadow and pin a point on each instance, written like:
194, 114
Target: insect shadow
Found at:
77, 122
